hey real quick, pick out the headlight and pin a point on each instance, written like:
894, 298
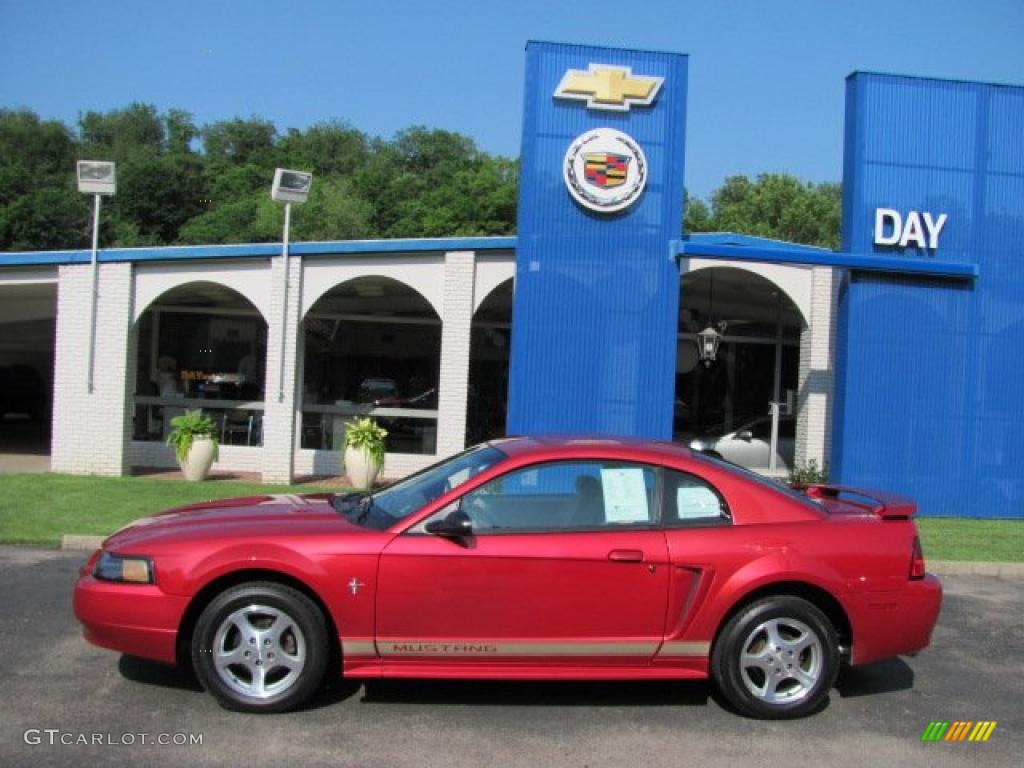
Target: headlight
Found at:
698, 445
129, 568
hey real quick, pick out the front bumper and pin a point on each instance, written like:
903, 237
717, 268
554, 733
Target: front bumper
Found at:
137, 619
895, 623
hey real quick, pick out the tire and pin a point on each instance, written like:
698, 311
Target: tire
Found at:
776, 659
260, 647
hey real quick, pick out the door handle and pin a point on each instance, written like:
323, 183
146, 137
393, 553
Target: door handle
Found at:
626, 555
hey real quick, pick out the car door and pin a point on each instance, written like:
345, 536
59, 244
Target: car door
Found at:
565, 566
706, 549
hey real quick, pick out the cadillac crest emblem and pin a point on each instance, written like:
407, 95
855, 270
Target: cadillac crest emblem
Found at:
605, 170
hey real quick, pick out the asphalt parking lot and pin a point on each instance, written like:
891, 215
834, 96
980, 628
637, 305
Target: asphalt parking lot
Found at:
53, 680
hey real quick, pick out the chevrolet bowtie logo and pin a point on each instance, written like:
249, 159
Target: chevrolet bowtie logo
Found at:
606, 87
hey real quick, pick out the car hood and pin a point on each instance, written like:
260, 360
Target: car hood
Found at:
262, 515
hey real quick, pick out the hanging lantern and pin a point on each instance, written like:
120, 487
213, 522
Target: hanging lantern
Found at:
707, 345
710, 338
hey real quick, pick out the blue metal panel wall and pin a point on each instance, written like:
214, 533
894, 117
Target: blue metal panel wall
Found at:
596, 297
930, 387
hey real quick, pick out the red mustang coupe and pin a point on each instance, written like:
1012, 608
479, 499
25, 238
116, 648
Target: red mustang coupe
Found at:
524, 559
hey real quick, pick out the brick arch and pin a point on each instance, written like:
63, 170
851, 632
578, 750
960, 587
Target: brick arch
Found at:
424, 276
250, 281
491, 292
793, 281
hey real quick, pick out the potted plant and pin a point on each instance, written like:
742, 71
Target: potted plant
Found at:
194, 439
809, 474
364, 451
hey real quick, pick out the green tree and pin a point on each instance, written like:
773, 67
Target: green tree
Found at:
419, 186
478, 200
254, 218
180, 132
39, 207
328, 149
421, 183
159, 194
33, 153
696, 215
779, 206
160, 182
51, 218
240, 142
121, 133
333, 212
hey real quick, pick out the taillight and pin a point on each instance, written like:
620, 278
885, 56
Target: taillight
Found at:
917, 569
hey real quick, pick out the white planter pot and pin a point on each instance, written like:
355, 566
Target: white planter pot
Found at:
200, 459
360, 468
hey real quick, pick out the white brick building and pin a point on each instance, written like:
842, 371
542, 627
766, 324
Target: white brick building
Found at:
422, 328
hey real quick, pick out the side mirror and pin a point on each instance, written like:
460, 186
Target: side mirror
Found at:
746, 434
454, 525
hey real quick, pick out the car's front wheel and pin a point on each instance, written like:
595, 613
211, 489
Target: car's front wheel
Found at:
260, 647
776, 658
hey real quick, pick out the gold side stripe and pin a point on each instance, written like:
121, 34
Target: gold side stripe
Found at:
358, 648
406, 647
402, 647
685, 649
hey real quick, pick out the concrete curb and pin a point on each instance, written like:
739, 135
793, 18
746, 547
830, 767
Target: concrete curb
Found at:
77, 542
969, 568
72, 541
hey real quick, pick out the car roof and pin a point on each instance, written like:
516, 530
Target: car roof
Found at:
554, 446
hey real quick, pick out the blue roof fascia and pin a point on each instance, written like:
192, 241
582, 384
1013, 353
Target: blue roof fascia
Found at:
868, 262
418, 245
749, 241
43, 258
258, 250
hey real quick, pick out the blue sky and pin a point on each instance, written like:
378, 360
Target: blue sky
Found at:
766, 78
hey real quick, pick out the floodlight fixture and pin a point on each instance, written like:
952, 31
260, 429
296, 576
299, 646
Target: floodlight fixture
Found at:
97, 177
291, 186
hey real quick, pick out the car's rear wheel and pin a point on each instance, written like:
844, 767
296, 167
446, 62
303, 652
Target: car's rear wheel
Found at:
776, 658
260, 647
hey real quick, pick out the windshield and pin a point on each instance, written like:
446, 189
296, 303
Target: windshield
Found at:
385, 508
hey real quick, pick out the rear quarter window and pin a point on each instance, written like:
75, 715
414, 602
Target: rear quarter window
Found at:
689, 500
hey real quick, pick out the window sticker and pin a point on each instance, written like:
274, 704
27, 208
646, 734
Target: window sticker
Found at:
528, 479
695, 502
625, 495
458, 478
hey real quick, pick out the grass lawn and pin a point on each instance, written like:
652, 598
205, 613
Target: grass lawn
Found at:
38, 509
946, 538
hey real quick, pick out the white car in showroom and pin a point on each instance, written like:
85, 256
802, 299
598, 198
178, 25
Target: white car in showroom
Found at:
749, 445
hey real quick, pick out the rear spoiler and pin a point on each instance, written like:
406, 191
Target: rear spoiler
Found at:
887, 506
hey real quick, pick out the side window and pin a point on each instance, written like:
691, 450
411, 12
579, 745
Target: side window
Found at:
691, 501
564, 496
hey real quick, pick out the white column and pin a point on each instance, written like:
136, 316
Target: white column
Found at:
457, 320
817, 370
279, 415
90, 431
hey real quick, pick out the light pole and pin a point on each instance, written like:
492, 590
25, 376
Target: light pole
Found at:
96, 178
289, 187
